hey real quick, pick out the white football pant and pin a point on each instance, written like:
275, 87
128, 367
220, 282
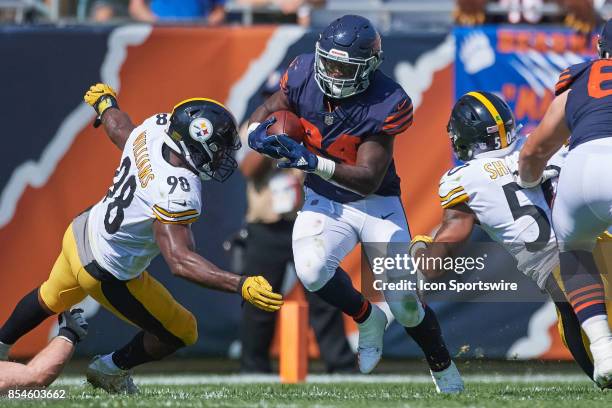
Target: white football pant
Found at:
325, 231
583, 203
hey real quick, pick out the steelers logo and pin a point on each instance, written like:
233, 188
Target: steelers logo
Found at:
201, 129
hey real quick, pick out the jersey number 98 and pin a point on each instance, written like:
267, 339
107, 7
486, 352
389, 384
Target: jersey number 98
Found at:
122, 194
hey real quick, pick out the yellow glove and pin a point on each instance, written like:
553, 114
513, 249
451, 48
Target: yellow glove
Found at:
101, 97
419, 242
257, 291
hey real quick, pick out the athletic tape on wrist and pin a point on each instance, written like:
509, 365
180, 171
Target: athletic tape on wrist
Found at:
325, 168
252, 127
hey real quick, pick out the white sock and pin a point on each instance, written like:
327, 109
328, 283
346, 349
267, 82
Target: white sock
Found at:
4, 351
108, 365
597, 328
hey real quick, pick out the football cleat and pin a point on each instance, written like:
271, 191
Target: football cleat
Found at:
602, 360
113, 383
4, 351
371, 333
448, 381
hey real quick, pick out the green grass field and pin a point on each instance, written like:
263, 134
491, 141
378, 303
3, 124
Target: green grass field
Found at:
330, 391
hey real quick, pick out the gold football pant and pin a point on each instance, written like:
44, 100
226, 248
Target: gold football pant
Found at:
143, 301
569, 328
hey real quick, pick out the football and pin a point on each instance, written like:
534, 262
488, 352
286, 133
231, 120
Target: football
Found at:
288, 123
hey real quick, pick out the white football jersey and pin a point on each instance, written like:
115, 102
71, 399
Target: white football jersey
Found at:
145, 188
517, 218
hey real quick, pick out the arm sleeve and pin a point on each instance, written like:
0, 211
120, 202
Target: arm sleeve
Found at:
451, 190
399, 118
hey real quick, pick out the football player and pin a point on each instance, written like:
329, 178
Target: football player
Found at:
582, 112
155, 196
484, 191
351, 112
48, 364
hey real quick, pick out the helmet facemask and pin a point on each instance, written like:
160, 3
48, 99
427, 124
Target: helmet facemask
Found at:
208, 150
340, 76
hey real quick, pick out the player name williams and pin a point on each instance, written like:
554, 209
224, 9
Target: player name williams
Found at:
452, 286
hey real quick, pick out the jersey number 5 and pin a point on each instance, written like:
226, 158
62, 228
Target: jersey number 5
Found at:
532, 211
601, 72
126, 186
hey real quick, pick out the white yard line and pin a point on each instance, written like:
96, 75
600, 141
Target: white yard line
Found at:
195, 379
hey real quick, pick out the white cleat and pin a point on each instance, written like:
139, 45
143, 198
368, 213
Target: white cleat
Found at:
4, 351
371, 339
113, 383
448, 381
602, 357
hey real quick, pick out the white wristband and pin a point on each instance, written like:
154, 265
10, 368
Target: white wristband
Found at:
524, 184
325, 168
252, 127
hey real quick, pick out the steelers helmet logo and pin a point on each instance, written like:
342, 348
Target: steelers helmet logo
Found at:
201, 129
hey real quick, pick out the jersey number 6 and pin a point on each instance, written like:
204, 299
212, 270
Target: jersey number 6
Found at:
122, 200
601, 71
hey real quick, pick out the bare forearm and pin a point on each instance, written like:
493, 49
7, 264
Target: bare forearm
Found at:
275, 103
544, 141
361, 180
196, 269
118, 126
41, 371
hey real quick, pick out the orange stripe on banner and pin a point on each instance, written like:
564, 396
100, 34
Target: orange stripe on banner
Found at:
576, 292
599, 293
584, 306
561, 84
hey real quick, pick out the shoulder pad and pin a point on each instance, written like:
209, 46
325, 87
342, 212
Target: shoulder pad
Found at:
451, 190
569, 75
177, 199
298, 72
400, 116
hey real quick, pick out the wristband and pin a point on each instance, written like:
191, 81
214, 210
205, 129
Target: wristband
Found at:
68, 334
524, 184
325, 168
252, 127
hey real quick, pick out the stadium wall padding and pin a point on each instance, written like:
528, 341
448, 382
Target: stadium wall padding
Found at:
55, 164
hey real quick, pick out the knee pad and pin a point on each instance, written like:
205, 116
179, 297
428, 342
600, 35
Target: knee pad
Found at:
408, 311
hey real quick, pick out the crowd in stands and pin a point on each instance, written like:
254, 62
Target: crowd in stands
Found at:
580, 15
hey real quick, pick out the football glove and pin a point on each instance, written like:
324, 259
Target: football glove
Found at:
258, 135
297, 155
419, 242
72, 325
257, 291
101, 97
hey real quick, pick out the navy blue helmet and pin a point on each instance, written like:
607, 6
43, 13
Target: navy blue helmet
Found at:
605, 41
347, 54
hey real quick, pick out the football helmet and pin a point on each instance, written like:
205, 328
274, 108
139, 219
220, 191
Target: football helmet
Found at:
604, 44
204, 132
347, 53
482, 125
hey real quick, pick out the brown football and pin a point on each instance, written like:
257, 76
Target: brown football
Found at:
288, 123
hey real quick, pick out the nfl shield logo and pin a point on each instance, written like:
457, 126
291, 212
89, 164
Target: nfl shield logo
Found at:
329, 120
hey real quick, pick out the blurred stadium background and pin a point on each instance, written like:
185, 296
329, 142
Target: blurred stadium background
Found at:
55, 164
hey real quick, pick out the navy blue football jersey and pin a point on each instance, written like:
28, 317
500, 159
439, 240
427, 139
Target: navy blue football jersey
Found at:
383, 108
588, 110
